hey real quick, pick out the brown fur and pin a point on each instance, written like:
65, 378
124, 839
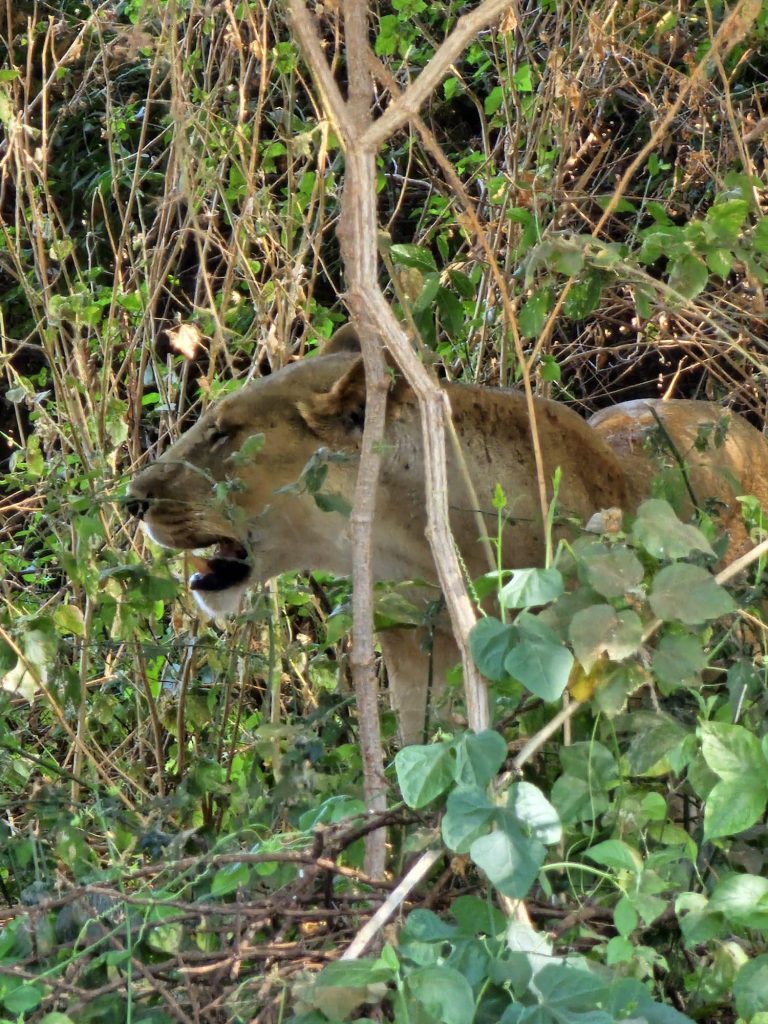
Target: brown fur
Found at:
320, 402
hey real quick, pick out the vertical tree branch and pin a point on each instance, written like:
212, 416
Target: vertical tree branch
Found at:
357, 236
358, 233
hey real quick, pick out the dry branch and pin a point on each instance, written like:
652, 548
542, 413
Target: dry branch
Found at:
361, 139
367, 301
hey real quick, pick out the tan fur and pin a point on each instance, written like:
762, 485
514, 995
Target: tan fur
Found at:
319, 403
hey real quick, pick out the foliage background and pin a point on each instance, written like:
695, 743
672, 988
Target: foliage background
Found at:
168, 199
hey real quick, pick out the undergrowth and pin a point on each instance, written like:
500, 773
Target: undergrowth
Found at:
182, 823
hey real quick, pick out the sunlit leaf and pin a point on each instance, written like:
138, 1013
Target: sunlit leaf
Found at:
423, 772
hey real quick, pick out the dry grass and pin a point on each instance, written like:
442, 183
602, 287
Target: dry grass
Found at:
168, 198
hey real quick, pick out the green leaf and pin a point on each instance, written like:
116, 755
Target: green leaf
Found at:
8, 657
589, 773
165, 938
352, 973
451, 312
726, 220
490, 641
429, 289
443, 993
625, 917
739, 799
250, 448
577, 800
541, 663
612, 572
743, 900
569, 994
689, 276
476, 916
600, 630
584, 296
688, 593
329, 501
653, 737
522, 79
386, 41
423, 925
450, 87
16, 395
534, 313
493, 100
760, 236
565, 256
510, 861
479, 757
130, 301
617, 855
733, 807
733, 752
678, 661
26, 996
658, 530
592, 761
463, 284
68, 618
343, 986
230, 878
529, 588
697, 922
409, 255
658, 212
619, 951
644, 302
623, 205
532, 809
629, 998
468, 815
720, 262
661, 241
750, 988
549, 368
424, 772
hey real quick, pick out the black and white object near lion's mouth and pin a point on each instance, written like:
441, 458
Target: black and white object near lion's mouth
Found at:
227, 567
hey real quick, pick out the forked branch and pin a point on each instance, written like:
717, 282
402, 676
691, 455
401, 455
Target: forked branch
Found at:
361, 138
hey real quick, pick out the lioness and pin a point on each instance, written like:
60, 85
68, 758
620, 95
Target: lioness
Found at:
262, 521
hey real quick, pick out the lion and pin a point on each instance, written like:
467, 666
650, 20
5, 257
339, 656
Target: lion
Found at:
236, 483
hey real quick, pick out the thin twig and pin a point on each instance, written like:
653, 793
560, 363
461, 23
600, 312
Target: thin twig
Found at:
391, 905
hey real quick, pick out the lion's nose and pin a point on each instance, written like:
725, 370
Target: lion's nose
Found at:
137, 507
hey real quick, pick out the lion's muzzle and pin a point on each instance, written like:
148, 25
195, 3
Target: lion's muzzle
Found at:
137, 508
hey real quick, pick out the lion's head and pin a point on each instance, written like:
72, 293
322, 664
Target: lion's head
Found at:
233, 482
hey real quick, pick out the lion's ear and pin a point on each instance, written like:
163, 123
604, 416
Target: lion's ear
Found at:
344, 340
340, 412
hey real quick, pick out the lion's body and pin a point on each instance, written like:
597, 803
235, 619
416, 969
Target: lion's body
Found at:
319, 403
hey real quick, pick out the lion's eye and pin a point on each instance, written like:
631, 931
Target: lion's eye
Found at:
218, 434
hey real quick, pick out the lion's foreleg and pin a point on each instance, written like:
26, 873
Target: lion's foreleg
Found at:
417, 678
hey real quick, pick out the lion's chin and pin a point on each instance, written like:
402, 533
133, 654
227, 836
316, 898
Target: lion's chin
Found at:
220, 604
221, 578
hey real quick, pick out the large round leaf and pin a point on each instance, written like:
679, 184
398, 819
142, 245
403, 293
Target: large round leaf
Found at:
688, 593
510, 860
423, 772
538, 659
601, 630
663, 535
